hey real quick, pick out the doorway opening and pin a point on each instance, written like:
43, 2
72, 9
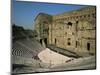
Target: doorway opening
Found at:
55, 41
88, 46
45, 41
76, 44
41, 41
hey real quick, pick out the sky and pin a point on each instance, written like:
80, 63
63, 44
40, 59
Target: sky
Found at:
24, 13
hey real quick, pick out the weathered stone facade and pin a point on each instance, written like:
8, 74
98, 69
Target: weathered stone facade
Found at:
74, 30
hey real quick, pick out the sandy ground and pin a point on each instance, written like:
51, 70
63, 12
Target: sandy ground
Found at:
51, 57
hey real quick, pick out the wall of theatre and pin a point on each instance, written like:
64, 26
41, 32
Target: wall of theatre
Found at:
74, 30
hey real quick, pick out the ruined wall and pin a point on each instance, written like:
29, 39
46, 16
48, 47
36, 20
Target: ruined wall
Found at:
74, 30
